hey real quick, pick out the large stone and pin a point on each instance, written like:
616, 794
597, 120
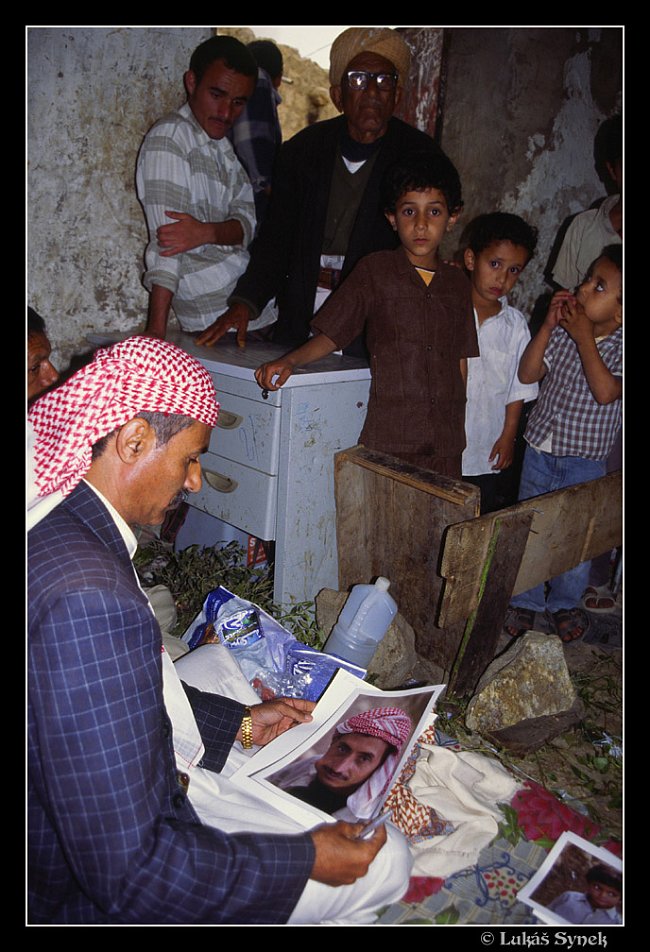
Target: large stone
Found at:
525, 697
395, 658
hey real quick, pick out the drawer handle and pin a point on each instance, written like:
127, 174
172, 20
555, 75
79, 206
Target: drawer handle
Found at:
223, 484
228, 420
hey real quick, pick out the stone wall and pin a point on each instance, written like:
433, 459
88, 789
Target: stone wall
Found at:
93, 93
520, 110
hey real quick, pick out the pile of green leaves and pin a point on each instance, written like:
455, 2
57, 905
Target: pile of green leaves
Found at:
195, 571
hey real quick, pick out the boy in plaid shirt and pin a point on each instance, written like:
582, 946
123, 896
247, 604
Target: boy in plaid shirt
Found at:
577, 355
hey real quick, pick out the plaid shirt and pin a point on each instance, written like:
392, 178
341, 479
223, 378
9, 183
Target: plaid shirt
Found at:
566, 411
256, 137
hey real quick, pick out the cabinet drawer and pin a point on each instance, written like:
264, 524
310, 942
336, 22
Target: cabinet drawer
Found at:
237, 494
248, 432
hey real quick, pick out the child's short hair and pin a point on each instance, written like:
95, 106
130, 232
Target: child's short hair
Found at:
35, 323
613, 253
600, 873
417, 171
498, 226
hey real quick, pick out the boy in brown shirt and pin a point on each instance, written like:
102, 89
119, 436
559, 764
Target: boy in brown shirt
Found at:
416, 312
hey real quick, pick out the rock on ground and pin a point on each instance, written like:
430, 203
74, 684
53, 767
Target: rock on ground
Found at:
526, 695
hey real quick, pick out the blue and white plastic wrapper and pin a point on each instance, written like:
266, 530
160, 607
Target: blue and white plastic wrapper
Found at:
255, 638
314, 670
269, 656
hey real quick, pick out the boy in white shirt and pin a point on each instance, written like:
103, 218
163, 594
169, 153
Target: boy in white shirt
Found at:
498, 247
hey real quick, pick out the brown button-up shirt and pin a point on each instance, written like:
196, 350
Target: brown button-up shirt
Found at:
416, 337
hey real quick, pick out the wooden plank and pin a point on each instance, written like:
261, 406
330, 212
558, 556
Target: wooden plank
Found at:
483, 628
390, 521
571, 526
568, 526
453, 490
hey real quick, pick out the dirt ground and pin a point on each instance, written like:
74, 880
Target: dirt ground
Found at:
584, 765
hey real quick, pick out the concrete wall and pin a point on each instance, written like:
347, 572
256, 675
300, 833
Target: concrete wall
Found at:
520, 112
92, 95
521, 107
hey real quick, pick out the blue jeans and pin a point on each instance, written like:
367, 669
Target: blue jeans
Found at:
544, 473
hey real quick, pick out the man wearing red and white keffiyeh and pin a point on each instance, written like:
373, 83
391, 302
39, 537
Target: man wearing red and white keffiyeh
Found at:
119, 747
140, 374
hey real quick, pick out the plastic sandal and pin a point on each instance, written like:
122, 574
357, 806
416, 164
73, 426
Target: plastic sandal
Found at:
594, 601
518, 620
570, 624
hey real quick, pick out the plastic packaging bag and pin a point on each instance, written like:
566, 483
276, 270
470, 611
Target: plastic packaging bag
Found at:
271, 659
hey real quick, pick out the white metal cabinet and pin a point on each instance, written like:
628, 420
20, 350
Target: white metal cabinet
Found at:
238, 495
273, 456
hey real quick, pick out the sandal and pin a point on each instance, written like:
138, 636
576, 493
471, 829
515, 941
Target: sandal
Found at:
518, 621
593, 601
570, 624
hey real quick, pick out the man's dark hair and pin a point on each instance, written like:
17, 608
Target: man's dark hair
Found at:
420, 170
499, 226
600, 873
35, 323
164, 425
233, 53
268, 56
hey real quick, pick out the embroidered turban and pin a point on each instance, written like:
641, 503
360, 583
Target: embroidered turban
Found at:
140, 374
369, 39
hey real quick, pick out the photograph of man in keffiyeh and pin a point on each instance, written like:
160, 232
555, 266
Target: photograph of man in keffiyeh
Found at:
352, 777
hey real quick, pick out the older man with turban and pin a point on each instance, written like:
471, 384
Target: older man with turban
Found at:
325, 211
116, 740
351, 779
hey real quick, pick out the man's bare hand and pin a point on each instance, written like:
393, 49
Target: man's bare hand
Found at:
184, 234
272, 718
341, 859
236, 318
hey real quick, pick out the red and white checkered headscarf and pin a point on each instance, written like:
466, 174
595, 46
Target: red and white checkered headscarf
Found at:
392, 725
138, 374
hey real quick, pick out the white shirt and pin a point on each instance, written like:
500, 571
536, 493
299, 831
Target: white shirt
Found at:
188, 746
586, 236
492, 383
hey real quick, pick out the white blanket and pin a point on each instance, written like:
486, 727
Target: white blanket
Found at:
465, 788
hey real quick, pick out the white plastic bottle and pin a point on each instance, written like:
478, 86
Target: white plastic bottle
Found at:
363, 622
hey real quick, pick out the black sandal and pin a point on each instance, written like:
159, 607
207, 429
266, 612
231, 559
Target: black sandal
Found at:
518, 621
571, 624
